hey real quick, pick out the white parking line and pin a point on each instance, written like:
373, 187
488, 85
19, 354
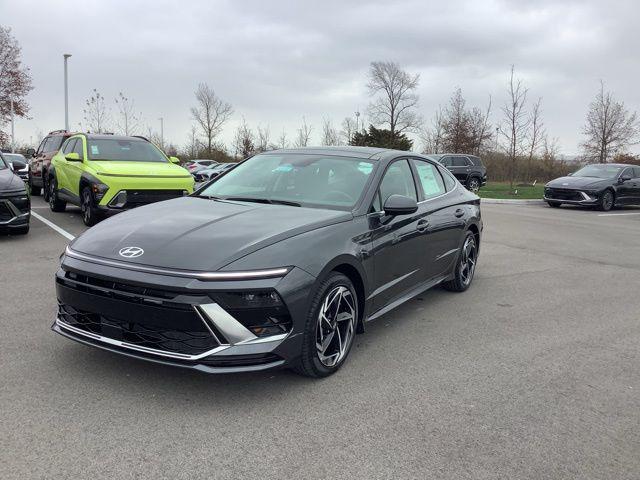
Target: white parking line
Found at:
617, 214
61, 231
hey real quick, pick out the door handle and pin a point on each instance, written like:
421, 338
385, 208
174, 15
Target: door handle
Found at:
459, 213
422, 226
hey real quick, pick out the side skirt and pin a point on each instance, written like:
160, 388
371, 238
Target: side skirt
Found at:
69, 197
407, 296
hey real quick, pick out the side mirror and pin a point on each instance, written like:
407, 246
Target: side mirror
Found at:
174, 159
73, 157
400, 205
30, 152
625, 178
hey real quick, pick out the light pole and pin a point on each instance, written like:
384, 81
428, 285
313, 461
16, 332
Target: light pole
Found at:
13, 133
162, 132
66, 92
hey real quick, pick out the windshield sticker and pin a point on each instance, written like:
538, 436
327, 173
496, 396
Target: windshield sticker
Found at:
94, 150
287, 167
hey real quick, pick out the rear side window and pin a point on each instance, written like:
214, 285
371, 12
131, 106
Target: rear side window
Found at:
430, 179
637, 172
460, 161
475, 161
449, 180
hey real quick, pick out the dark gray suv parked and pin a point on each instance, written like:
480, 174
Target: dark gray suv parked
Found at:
468, 169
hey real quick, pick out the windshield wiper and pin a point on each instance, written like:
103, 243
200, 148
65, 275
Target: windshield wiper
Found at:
264, 200
208, 197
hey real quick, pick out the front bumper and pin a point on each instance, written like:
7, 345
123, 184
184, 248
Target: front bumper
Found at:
572, 197
130, 313
15, 210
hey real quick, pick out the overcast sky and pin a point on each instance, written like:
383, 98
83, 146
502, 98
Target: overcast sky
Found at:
276, 61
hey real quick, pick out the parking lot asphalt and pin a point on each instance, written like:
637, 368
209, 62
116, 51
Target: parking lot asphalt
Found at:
532, 373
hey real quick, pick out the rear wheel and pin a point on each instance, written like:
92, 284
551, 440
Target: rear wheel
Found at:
45, 187
90, 214
55, 204
330, 328
607, 201
465, 266
554, 204
473, 184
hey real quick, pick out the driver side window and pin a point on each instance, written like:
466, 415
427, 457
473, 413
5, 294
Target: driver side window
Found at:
68, 146
397, 180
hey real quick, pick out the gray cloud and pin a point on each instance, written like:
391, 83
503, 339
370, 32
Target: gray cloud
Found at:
279, 60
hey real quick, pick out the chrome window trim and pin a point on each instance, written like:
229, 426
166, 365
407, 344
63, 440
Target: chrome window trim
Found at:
238, 275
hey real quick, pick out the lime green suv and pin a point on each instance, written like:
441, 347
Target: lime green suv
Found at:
110, 173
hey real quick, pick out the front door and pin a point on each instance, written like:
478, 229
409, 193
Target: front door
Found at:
397, 241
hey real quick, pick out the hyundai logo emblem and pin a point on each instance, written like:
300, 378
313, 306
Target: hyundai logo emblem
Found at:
131, 252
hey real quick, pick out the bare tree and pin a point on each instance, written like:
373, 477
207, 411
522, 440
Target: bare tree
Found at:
193, 145
329, 133
515, 122
263, 139
244, 141
480, 127
536, 134
15, 80
304, 134
610, 128
282, 140
349, 128
96, 116
433, 135
211, 113
395, 98
128, 120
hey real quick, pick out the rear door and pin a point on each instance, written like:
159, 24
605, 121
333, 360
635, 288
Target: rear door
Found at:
626, 192
460, 168
63, 167
445, 218
636, 186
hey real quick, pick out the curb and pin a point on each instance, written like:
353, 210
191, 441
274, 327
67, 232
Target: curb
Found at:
497, 201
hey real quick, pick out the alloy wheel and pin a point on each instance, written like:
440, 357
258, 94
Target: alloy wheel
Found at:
468, 260
86, 206
51, 188
474, 185
607, 201
336, 326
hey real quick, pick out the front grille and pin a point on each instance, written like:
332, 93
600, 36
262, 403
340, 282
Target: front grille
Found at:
137, 198
139, 333
563, 194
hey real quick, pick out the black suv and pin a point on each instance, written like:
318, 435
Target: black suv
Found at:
468, 169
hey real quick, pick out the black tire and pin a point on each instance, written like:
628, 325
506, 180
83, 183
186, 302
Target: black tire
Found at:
35, 191
607, 201
554, 204
473, 184
45, 187
90, 214
310, 363
462, 281
20, 231
55, 204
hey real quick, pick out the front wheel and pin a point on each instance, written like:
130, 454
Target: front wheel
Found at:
607, 201
473, 184
55, 204
465, 265
90, 214
330, 327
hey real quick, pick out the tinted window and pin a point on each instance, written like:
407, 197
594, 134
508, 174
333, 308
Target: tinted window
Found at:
398, 180
475, 161
449, 180
68, 146
430, 179
42, 144
636, 172
446, 161
460, 162
53, 144
132, 150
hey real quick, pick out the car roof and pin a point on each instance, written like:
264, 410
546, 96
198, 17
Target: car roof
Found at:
106, 136
371, 153
619, 165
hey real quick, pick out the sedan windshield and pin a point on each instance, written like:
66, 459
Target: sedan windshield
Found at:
295, 179
598, 171
132, 150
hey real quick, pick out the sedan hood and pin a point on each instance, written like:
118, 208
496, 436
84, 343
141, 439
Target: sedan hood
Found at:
193, 233
576, 182
10, 182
